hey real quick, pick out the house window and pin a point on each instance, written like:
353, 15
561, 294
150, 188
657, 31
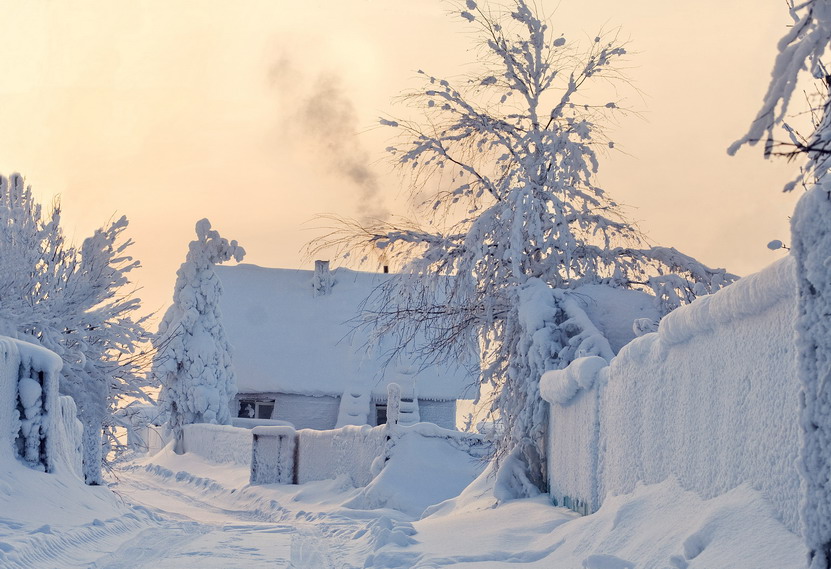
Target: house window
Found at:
253, 409
380, 414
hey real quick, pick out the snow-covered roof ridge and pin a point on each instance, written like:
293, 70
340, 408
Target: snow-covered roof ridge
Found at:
287, 340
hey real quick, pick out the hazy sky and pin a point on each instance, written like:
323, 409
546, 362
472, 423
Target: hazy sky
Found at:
261, 115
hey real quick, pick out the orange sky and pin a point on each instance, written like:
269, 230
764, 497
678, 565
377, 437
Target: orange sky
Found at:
168, 112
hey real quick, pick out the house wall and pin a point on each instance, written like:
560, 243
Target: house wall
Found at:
711, 399
321, 413
442, 413
306, 412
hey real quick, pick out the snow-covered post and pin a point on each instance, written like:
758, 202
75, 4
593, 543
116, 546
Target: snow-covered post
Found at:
193, 358
811, 234
322, 280
393, 404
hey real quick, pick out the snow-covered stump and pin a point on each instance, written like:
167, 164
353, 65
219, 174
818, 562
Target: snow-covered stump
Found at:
30, 409
274, 455
811, 234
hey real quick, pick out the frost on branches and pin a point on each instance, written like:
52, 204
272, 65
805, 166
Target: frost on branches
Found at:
77, 303
193, 358
505, 163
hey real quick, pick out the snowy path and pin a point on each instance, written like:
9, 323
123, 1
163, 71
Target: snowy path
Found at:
195, 532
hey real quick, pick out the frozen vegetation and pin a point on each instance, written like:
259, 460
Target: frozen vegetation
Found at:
687, 419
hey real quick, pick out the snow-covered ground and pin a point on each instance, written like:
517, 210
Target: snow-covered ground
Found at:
172, 511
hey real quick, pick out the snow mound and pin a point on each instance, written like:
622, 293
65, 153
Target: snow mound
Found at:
426, 465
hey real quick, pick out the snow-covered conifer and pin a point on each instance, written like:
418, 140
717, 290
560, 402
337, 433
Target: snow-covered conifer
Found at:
193, 358
512, 154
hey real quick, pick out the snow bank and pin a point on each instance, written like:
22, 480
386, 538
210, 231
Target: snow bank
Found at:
711, 399
218, 443
349, 451
426, 465
660, 526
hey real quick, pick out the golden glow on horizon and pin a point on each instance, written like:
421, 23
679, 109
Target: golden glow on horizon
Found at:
170, 112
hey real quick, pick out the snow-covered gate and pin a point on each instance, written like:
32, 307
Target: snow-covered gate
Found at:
283, 455
711, 399
31, 411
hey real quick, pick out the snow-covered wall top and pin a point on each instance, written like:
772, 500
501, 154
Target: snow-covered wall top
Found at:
288, 340
711, 399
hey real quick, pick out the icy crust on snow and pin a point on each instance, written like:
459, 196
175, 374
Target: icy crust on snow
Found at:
710, 399
347, 452
218, 443
272, 316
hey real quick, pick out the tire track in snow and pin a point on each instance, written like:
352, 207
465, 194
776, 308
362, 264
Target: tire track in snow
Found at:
72, 547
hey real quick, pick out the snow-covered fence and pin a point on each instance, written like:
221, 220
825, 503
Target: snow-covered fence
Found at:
711, 399
358, 453
274, 455
30, 409
348, 451
283, 455
218, 443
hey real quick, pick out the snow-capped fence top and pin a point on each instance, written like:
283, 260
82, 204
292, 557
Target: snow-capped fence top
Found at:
711, 399
30, 410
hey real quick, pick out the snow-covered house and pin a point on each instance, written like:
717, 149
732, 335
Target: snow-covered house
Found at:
299, 358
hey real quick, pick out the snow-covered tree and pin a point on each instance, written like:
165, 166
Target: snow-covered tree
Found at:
193, 358
505, 163
801, 49
76, 302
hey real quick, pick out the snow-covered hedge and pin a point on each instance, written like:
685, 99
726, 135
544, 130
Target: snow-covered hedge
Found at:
218, 443
711, 399
30, 409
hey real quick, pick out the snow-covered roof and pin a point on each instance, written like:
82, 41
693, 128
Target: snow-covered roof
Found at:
287, 340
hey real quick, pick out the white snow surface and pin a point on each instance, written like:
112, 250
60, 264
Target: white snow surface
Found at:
271, 316
182, 511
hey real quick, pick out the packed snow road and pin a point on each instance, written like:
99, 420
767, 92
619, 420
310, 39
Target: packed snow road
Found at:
194, 531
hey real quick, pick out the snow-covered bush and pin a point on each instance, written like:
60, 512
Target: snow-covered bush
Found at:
193, 357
